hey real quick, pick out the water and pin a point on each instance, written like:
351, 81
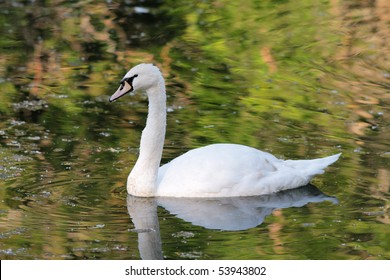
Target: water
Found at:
297, 80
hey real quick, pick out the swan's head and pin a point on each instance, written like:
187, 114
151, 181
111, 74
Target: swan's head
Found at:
141, 77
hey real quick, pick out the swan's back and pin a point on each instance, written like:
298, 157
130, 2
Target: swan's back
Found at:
225, 170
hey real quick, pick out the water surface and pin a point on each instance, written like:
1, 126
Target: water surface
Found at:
297, 79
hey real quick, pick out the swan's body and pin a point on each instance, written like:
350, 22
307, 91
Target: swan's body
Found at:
219, 170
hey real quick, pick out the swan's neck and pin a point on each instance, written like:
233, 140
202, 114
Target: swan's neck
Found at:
142, 180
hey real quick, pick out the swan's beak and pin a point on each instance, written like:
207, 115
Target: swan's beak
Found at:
124, 88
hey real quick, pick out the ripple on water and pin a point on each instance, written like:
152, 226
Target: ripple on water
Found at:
81, 215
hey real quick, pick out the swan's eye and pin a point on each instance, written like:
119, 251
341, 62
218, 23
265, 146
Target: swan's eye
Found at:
128, 80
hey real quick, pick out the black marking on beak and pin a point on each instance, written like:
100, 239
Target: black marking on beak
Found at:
125, 87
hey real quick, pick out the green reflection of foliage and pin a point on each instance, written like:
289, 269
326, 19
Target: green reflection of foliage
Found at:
250, 72
243, 83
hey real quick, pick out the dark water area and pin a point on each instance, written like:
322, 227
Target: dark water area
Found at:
298, 79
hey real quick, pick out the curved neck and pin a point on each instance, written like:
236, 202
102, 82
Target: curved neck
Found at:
142, 179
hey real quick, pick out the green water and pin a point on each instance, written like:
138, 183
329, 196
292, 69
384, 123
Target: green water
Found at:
299, 79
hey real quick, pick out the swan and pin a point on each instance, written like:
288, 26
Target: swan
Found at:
216, 170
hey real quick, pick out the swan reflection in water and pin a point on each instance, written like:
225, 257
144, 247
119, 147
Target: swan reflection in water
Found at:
232, 213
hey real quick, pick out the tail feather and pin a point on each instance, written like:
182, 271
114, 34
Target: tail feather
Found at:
312, 167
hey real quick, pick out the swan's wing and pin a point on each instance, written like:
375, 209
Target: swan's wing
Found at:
215, 170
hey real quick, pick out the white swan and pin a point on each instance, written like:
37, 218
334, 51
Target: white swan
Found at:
218, 170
